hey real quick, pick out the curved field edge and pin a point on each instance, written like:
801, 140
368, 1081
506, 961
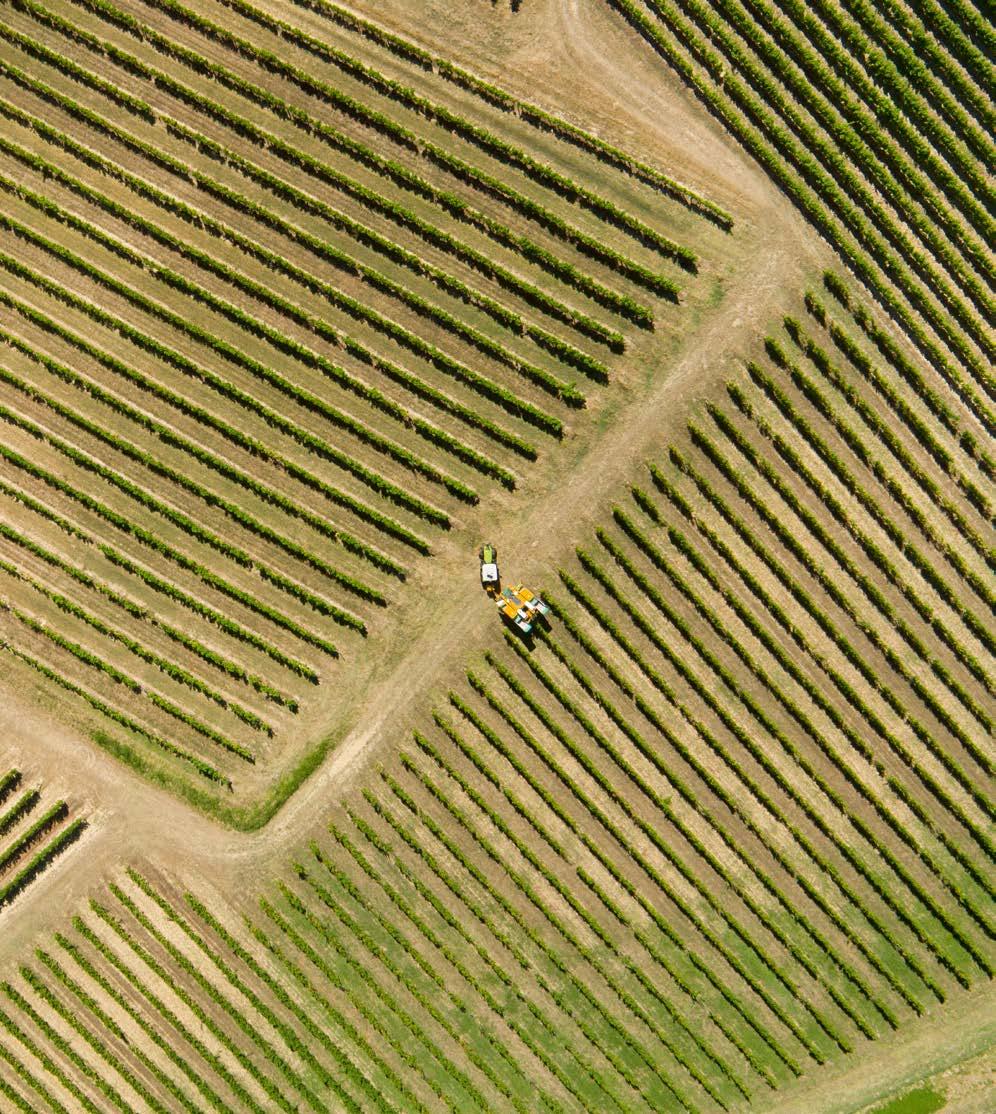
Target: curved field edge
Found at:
408, 496
660, 829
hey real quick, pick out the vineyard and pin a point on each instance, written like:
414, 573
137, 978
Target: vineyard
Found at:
273, 328
712, 831
33, 834
876, 122
298, 310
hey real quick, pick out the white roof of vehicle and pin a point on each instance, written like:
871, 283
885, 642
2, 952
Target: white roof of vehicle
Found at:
489, 572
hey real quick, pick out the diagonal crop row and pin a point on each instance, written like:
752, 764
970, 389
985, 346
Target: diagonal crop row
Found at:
733, 802
908, 372
400, 1082
169, 668
856, 980
809, 184
314, 444
203, 768
141, 985
528, 855
170, 437
524, 929
828, 170
859, 135
291, 1040
557, 809
554, 880
438, 945
747, 1014
170, 591
408, 51
138, 1018
883, 430
180, 479
908, 58
39, 1050
922, 132
299, 160
818, 572
365, 155
208, 1022
235, 356
275, 262
249, 445
109, 1026
226, 1006
819, 532
963, 30
19, 809
924, 431
344, 1064
767, 723
431, 1063
426, 999
321, 248
31, 835
187, 525
748, 741
879, 559
153, 464
536, 1042
43, 858
839, 470
397, 374
8, 783
868, 674
87, 657
794, 711
74, 1021
899, 494
155, 543
507, 153
751, 944
406, 139
800, 676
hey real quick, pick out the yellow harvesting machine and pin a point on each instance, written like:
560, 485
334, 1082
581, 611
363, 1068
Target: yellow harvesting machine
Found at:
519, 606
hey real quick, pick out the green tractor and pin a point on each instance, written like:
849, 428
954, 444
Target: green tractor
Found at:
490, 579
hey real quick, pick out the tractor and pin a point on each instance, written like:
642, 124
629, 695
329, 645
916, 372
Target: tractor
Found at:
518, 605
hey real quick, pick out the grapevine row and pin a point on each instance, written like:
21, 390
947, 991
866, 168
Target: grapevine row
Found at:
231, 354
169, 590
386, 167
810, 186
785, 661
299, 160
506, 153
408, 140
203, 768
181, 479
765, 721
249, 445
589, 143
151, 539
314, 444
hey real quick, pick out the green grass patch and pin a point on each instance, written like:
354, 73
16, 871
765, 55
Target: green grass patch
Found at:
924, 1100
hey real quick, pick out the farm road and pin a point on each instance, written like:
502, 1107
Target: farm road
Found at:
553, 512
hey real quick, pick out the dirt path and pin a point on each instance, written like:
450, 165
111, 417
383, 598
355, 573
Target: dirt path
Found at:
960, 1031
173, 835
693, 147
562, 497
